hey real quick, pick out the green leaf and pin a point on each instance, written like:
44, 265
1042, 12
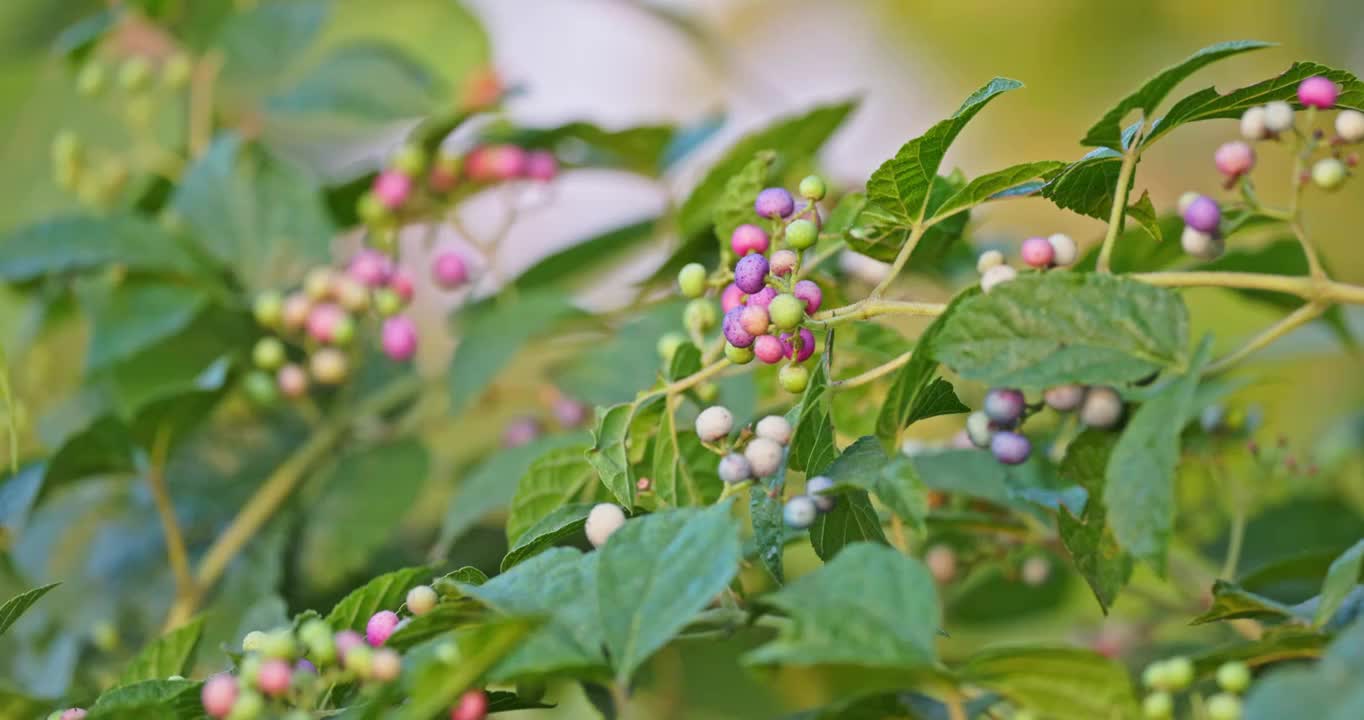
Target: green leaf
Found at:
551, 481
1230, 602
1134, 252
894, 480
259, 44
1042, 330
1086, 186
642, 149
16, 704
1330, 689
1107, 131
444, 617
902, 490
914, 380
1055, 682
766, 515
19, 604
812, 441
1208, 104
796, 137
655, 573
355, 516
685, 361
607, 454
561, 524
159, 699
385, 592
437, 684
1143, 212
168, 655
81, 243
491, 333
853, 519
586, 264
1341, 580
1000, 184
736, 204
1088, 538
443, 35
1275, 645
130, 316
559, 584
870, 607
880, 234
900, 186
262, 219
103, 446
18, 491
667, 464
1140, 493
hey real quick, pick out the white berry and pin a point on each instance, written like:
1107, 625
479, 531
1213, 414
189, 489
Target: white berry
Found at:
1350, 125
1065, 251
815, 487
799, 512
989, 259
734, 468
1201, 245
604, 519
764, 456
1187, 199
1253, 124
1278, 116
1036, 570
942, 563
996, 275
1102, 407
714, 423
1064, 397
774, 427
421, 599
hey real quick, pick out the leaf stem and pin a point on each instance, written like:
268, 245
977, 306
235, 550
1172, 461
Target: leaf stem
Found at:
1115, 216
871, 307
165, 509
873, 374
1303, 315
900, 260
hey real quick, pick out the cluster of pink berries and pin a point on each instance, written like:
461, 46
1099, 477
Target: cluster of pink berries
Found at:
568, 412
997, 425
1039, 253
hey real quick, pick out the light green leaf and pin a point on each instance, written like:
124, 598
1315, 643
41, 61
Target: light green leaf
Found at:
607, 453
258, 44
1330, 690
655, 573
735, 206
667, 465
1141, 470
551, 481
880, 234
1042, 330
81, 243
446, 616
1055, 682
385, 592
900, 186
437, 684
903, 491
893, 480
768, 521
168, 655
19, 604
149, 700
999, 184
1107, 131
16, 704
587, 263
1090, 541
1230, 602
1086, 186
132, 315
812, 442
870, 607
1341, 580
560, 525
491, 333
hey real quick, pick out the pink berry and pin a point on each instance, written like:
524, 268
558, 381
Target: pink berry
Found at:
1203, 214
569, 412
1234, 158
73, 714
769, 349
442, 179
754, 320
479, 164
449, 270
274, 677
370, 267
1318, 92
473, 705
401, 283
541, 165
521, 431
345, 641
323, 320
380, 626
747, 239
783, 262
1037, 252
292, 380
807, 345
392, 188
731, 298
762, 298
386, 665
294, 314
218, 695
809, 291
502, 162
399, 338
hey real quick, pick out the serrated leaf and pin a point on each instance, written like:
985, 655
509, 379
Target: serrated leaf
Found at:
852, 519
893, 480
869, 607
149, 700
1140, 492
666, 465
170, 654
1042, 330
880, 234
1101, 562
796, 137
356, 515
385, 592
901, 489
1230, 602
1087, 185
437, 684
812, 441
1055, 682
130, 316
82, 243
491, 333
735, 206
607, 454
999, 184
560, 525
551, 481
1208, 104
1107, 131
655, 573
769, 525
19, 604
1341, 579
1144, 214
900, 186
685, 361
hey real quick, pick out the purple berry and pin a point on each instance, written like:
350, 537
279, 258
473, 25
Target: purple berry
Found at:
400, 338
1037, 252
809, 291
1203, 214
370, 267
733, 328
1010, 448
769, 349
748, 238
774, 203
380, 626
541, 165
762, 298
750, 274
1004, 405
807, 345
1317, 92
731, 298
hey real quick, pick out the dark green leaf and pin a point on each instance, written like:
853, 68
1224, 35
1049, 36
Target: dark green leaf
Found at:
366, 495
997, 185
444, 617
1090, 541
130, 316
1086, 186
1341, 580
386, 592
853, 518
658, 571
1275, 645
79, 243
880, 234
560, 525
1134, 252
17, 605
1055, 682
869, 607
1144, 214
1107, 131
1140, 493
666, 466
437, 684
863, 466
491, 333
812, 442
1230, 602
901, 489
551, 481
1042, 330
585, 264
686, 361
640, 149
168, 655
769, 526
735, 206
607, 454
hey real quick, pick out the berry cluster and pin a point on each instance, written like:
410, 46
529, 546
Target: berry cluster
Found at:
766, 304
288, 669
1202, 236
1164, 678
1039, 253
998, 424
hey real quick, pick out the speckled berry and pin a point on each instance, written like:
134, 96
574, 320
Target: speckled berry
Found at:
764, 456
995, 276
750, 274
783, 262
1234, 159
774, 202
1204, 246
1037, 252
472, 705
399, 338
802, 234
274, 676
762, 298
1004, 405
754, 320
731, 298
292, 381
775, 428
1010, 448
786, 311
329, 366
1278, 116
1350, 126
1328, 174
1318, 92
1102, 408
816, 487
1203, 214
794, 379
799, 512
942, 563
392, 188
691, 280
541, 165
733, 326
807, 345
748, 238
603, 520
738, 355
768, 349
979, 429
218, 694
1064, 398
700, 315
808, 291
380, 626
1064, 250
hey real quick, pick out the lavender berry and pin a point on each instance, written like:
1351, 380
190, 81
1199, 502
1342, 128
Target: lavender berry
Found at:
1004, 405
733, 327
815, 487
1203, 214
774, 203
808, 290
734, 468
807, 345
750, 274
799, 512
1010, 448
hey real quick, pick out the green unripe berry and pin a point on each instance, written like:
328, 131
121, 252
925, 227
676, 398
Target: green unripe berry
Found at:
1328, 173
268, 309
410, 160
175, 73
813, 187
269, 353
1158, 706
668, 345
700, 315
1179, 672
134, 73
253, 641
249, 706
260, 387
387, 302
1224, 706
794, 379
738, 355
343, 331
707, 392
786, 311
248, 670
801, 234
360, 660
691, 280
279, 644
371, 211
1233, 677
90, 81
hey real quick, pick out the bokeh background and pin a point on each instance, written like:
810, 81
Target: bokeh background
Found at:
621, 62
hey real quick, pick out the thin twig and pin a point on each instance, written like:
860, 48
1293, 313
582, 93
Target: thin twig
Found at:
900, 260
873, 374
170, 526
1303, 315
1115, 216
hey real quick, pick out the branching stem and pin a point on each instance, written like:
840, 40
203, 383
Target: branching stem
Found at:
1115, 216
